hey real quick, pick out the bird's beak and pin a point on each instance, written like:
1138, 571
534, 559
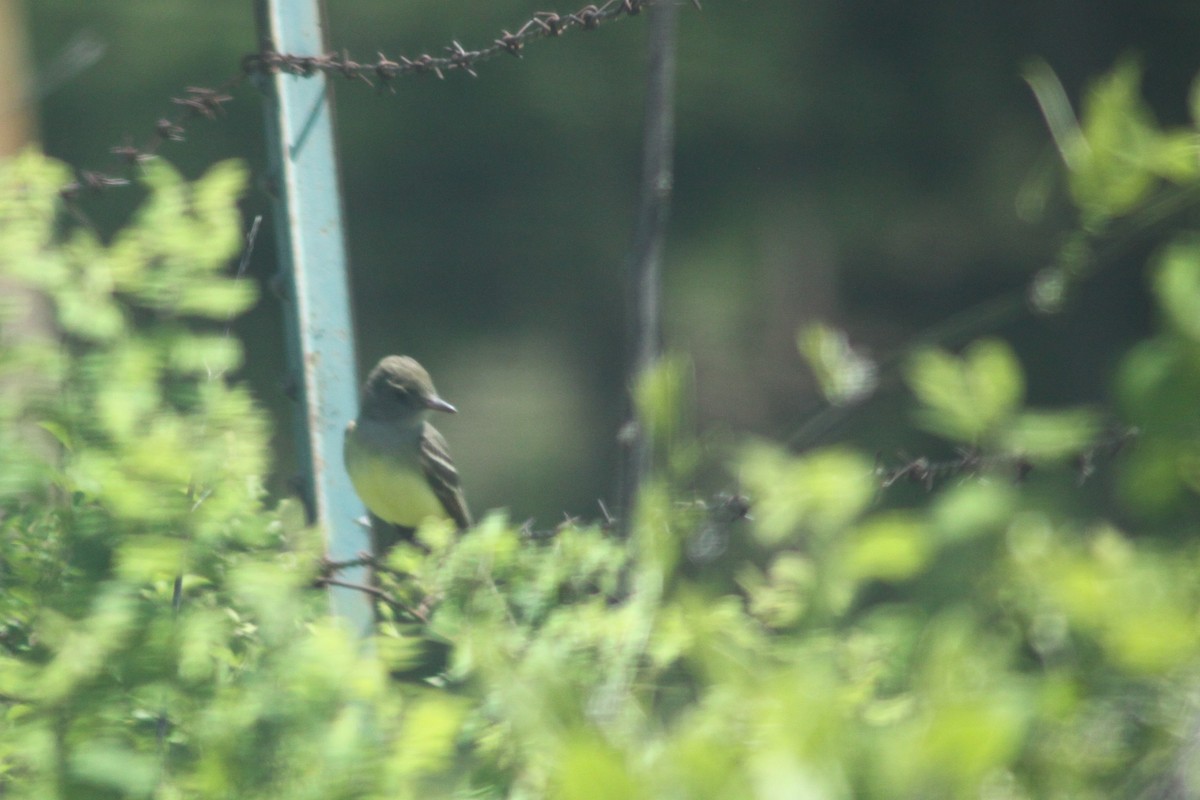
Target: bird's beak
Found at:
438, 404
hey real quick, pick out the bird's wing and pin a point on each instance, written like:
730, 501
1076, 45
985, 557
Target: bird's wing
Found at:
443, 477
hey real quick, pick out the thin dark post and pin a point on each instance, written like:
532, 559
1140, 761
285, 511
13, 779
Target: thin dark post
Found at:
312, 255
644, 265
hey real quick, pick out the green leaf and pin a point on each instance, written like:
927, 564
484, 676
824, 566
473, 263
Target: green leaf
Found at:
426, 744
844, 374
1176, 282
1176, 156
148, 558
216, 299
29, 204
967, 398
204, 355
214, 203
819, 493
781, 597
1052, 434
592, 770
890, 547
113, 766
1114, 174
973, 508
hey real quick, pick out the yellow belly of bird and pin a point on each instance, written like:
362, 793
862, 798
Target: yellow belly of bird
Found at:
395, 493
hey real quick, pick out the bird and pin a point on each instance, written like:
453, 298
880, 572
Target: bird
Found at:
398, 462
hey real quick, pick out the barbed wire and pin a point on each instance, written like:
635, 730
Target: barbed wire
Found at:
197, 102
200, 102
542, 25
973, 462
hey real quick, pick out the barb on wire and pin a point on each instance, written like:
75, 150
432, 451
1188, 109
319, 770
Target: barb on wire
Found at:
204, 102
88, 179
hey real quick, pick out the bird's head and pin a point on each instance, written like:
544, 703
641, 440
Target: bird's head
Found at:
399, 387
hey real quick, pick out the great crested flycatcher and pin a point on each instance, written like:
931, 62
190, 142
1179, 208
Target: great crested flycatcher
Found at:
398, 462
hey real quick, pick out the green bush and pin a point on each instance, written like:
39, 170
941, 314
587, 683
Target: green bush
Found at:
160, 636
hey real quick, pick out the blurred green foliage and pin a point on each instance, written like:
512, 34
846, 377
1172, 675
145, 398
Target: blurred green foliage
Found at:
989, 640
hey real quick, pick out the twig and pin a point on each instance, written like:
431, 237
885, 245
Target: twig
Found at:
378, 594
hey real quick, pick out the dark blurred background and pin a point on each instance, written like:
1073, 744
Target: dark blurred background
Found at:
869, 164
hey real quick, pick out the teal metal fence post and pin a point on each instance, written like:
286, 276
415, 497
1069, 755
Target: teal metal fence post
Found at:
303, 177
